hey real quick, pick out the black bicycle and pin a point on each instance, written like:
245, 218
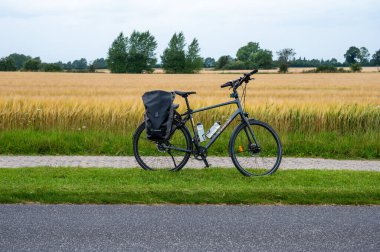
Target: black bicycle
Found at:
254, 147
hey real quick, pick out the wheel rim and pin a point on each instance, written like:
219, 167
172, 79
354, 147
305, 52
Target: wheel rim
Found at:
256, 160
156, 155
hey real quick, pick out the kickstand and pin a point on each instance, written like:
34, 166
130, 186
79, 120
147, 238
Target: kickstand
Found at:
205, 161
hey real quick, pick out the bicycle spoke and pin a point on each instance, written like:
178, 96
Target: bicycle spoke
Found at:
156, 155
256, 160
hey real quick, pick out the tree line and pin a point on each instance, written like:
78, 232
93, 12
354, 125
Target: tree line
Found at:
136, 54
21, 62
252, 56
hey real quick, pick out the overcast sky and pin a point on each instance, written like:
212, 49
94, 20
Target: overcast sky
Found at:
71, 29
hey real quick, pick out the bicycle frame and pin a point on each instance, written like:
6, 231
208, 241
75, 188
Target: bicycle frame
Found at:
239, 111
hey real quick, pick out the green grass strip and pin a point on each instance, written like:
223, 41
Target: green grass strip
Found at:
323, 144
189, 186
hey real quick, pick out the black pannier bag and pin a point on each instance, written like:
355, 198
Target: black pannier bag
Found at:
159, 111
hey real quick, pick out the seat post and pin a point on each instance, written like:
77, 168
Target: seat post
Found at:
187, 103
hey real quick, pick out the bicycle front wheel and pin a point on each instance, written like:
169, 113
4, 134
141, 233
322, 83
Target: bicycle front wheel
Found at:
171, 154
255, 158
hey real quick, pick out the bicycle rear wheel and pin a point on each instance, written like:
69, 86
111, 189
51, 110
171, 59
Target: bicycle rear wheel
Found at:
251, 159
152, 155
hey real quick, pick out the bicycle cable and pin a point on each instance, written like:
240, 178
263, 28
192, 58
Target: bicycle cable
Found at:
244, 94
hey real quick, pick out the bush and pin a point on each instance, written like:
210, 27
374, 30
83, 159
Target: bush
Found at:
7, 64
223, 61
356, 67
326, 69
329, 69
341, 70
32, 64
51, 67
283, 68
236, 65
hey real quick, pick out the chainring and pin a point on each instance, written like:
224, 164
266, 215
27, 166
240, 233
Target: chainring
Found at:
202, 153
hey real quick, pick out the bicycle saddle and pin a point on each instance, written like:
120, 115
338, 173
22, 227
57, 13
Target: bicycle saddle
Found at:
184, 94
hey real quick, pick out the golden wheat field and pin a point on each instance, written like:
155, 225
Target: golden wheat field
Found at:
307, 102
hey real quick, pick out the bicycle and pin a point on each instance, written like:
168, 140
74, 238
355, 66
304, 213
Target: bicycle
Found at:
254, 146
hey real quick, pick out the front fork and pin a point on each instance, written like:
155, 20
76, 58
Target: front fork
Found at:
249, 133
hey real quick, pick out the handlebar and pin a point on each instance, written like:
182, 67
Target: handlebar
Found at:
236, 83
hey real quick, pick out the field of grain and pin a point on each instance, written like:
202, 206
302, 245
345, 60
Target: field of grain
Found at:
306, 102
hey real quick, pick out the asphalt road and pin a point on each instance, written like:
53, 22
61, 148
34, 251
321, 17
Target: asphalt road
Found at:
188, 228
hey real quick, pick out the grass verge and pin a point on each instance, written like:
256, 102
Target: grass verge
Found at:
323, 144
190, 186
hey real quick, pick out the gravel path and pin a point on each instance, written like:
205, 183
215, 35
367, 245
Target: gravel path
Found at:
224, 162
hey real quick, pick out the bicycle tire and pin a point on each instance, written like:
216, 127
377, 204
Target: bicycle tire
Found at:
156, 155
246, 155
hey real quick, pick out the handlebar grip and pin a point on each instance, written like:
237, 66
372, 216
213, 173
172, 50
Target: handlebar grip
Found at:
227, 84
254, 71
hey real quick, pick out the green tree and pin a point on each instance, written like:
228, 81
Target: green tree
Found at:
364, 56
209, 62
333, 62
141, 52
19, 59
352, 55
100, 63
194, 61
286, 54
32, 64
261, 59
376, 58
80, 65
245, 53
68, 66
91, 67
223, 61
174, 58
254, 57
7, 64
284, 57
117, 55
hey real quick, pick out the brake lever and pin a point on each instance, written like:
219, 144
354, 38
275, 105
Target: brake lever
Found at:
232, 84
